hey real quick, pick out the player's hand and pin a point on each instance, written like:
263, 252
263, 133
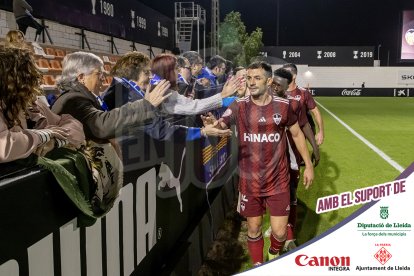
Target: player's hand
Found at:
211, 130
308, 177
319, 138
157, 95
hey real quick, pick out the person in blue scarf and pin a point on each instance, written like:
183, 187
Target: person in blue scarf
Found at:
132, 80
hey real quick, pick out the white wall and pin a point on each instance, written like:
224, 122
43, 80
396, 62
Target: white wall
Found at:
351, 76
65, 36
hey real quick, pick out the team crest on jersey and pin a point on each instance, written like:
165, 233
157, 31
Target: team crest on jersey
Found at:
277, 118
227, 113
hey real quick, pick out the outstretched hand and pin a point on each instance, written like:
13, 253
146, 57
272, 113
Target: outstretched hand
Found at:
208, 119
157, 95
231, 86
212, 130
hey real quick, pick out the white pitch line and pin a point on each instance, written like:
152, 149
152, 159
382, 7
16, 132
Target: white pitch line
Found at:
366, 142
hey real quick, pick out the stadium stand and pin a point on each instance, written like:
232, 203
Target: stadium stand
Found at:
52, 207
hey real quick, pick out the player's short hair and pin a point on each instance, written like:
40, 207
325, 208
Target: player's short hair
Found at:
261, 65
283, 73
291, 67
237, 69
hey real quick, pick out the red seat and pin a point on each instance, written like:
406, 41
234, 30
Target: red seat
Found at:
56, 65
60, 53
50, 51
42, 63
49, 80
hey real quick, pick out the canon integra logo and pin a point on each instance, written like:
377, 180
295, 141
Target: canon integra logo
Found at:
407, 77
353, 92
304, 260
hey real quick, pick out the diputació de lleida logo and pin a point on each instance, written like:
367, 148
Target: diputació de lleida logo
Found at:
384, 212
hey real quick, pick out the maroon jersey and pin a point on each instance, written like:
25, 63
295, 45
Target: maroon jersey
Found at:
261, 131
306, 102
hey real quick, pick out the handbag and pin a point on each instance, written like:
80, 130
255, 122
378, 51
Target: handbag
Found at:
107, 174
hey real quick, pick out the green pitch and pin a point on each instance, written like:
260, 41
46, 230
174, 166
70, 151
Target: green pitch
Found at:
347, 163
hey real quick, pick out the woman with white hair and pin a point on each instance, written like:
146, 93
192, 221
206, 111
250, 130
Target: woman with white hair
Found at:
82, 76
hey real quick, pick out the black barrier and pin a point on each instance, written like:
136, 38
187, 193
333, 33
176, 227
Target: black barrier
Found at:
130, 20
160, 224
362, 92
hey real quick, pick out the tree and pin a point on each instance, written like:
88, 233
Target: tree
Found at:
235, 43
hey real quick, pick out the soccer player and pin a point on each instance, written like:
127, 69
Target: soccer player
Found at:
280, 89
261, 120
307, 103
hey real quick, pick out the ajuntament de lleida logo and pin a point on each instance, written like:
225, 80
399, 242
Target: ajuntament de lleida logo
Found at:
384, 212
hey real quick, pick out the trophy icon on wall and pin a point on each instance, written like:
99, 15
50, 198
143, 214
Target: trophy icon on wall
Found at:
133, 19
319, 54
284, 54
93, 6
355, 54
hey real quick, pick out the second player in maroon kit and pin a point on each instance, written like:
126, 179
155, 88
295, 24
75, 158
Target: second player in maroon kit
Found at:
294, 156
307, 103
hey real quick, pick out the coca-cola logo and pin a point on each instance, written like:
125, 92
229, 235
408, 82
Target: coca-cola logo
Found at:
351, 92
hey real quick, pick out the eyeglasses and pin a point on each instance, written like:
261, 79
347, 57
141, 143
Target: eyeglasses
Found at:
177, 67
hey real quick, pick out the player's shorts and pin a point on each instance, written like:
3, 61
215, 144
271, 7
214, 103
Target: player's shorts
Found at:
251, 206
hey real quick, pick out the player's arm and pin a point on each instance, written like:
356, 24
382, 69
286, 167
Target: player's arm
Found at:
300, 143
227, 119
319, 121
307, 131
215, 130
